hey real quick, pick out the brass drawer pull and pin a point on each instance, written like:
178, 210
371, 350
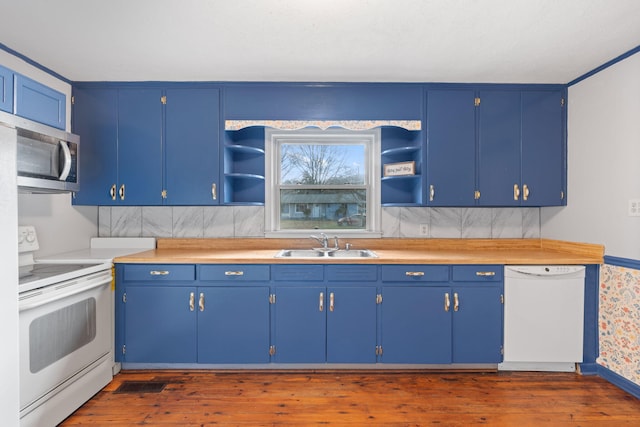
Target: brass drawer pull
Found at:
456, 302
485, 273
192, 301
447, 302
234, 273
331, 301
321, 302
201, 302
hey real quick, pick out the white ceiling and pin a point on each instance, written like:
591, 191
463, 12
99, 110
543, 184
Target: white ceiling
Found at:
502, 41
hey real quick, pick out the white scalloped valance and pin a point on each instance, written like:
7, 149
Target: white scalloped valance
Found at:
323, 124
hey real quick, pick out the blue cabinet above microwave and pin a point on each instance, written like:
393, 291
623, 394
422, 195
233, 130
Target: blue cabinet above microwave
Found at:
39, 103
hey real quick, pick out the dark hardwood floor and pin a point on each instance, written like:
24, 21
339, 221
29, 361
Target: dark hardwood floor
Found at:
353, 398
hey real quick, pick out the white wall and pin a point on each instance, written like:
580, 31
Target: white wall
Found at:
604, 162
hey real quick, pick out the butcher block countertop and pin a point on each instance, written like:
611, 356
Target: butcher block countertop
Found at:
389, 251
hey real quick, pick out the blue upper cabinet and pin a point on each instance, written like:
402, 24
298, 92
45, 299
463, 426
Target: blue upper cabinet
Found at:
6, 89
543, 149
451, 142
499, 147
40, 103
521, 151
364, 101
192, 146
95, 119
140, 146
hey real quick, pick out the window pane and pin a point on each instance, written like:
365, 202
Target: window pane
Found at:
322, 164
322, 209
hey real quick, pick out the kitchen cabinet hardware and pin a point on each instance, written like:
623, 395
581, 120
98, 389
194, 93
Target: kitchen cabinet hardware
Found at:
112, 192
456, 302
432, 193
447, 302
516, 192
379, 299
331, 301
234, 273
192, 301
159, 272
414, 273
121, 192
321, 302
214, 191
201, 302
476, 195
525, 192
485, 273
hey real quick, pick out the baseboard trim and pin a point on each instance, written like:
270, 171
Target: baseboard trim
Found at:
619, 381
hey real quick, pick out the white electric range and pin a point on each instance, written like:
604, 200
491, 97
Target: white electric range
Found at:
66, 325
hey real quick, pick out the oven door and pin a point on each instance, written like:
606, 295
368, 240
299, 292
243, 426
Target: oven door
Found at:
64, 329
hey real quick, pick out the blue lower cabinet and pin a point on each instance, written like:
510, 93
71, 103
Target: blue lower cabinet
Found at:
477, 324
416, 326
351, 325
300, 324
160, 325
233, 325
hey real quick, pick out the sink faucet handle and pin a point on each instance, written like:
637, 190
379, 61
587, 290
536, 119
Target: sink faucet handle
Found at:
347, 246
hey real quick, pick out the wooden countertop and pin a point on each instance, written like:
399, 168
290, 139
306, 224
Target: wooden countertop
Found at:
389, 251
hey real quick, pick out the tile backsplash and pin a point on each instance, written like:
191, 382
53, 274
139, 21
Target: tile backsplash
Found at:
248, 221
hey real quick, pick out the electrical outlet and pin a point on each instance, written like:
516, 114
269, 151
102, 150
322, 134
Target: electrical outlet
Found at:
634, 207
424, 229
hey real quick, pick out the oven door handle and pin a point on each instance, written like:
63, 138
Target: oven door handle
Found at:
41, 299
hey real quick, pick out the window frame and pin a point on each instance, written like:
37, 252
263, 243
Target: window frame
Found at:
371, 138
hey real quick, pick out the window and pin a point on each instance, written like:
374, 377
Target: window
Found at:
322, 180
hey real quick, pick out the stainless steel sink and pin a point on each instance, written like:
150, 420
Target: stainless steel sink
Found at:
324, 253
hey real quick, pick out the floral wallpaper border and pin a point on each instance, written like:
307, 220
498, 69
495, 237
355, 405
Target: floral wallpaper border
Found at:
619, 321
323, 124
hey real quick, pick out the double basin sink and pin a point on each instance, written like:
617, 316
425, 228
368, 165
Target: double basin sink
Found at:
326, 253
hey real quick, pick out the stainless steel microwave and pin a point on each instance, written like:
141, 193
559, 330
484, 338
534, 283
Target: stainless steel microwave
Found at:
47, 158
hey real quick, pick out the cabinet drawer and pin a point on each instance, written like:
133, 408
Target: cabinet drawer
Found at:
304, 273
159, 272
415, 273
352, 273
234, 272
477, 273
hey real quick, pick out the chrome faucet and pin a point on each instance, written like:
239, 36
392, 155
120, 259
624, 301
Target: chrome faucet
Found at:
323, 238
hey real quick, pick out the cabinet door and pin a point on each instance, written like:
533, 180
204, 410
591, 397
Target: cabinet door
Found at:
499, 147
95, 119
300, 324
451, 152
477, 324
351, 325
416, 328
40, 103
192, 146
139, 147
6, 89
160, 326
233, 325
542, 149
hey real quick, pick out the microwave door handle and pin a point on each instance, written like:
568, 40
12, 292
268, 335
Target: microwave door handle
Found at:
67, 160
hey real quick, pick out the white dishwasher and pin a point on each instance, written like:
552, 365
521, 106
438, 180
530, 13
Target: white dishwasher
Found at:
543, 317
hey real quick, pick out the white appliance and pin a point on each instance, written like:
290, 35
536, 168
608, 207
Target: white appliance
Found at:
65, 334
66, 305
543, 317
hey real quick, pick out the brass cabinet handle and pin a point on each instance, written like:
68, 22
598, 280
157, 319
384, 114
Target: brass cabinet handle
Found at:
525, 192
414, 273
516, 192
112, 192
432, 193
201, 302
159, 272
447, 303
456, 302
234, 273
331, 301
192, 301
485, 273
214, 191
121, 192
321, 302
